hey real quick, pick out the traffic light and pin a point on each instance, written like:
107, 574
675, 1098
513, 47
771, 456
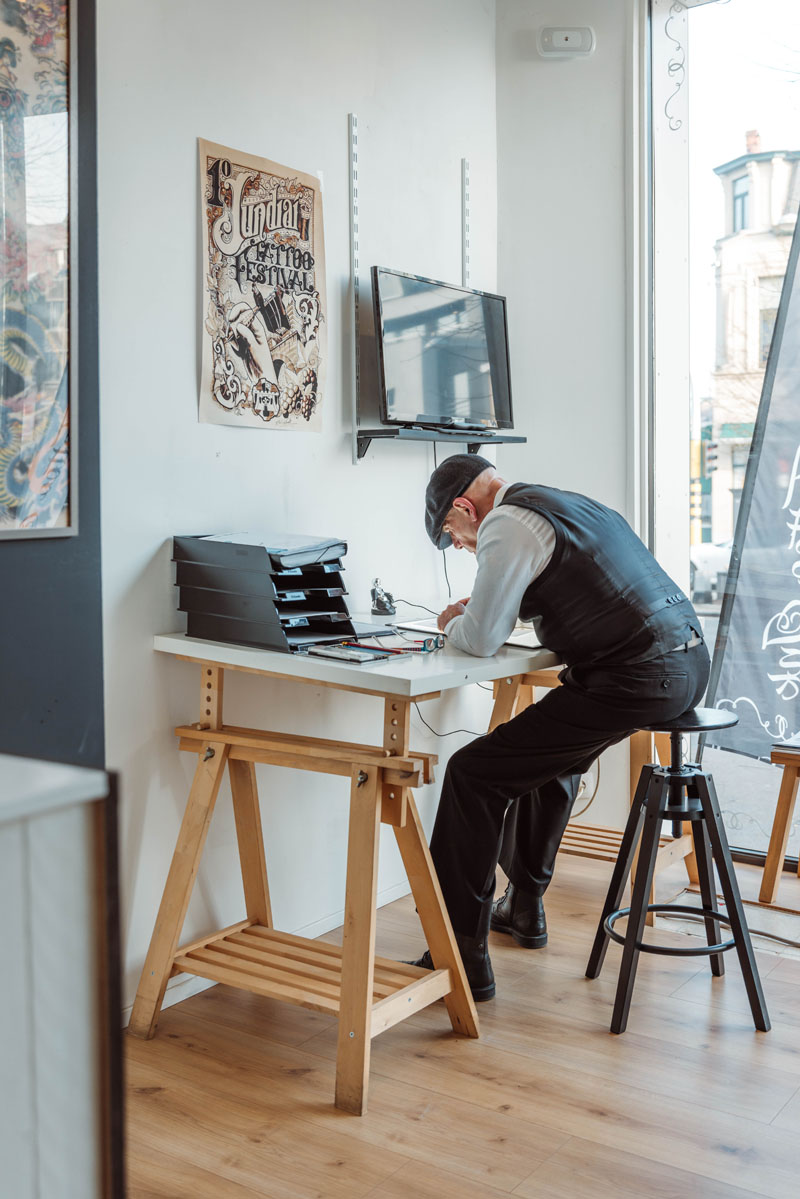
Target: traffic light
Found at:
710, 449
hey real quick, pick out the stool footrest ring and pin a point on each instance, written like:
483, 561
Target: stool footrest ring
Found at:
644, 947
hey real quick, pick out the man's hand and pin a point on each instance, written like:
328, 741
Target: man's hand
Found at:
450, 611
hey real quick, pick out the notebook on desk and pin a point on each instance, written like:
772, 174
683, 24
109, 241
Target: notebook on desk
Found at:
522, 635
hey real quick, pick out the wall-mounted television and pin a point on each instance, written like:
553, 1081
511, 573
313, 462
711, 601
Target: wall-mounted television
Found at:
442, 353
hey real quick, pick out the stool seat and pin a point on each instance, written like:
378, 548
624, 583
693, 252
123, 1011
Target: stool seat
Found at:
695, 720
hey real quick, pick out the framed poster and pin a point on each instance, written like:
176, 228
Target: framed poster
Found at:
263, 257
37, 301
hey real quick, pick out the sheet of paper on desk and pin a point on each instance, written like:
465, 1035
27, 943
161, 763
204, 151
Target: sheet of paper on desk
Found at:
523, 635
287, 549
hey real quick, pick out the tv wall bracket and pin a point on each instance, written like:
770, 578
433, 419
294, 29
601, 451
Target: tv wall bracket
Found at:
473, 437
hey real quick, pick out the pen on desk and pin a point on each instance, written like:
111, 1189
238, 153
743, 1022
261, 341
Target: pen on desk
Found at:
374, 649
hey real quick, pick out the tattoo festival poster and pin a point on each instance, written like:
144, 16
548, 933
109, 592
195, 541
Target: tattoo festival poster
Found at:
264, 349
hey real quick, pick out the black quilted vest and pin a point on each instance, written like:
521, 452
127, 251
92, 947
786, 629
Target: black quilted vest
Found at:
602, 597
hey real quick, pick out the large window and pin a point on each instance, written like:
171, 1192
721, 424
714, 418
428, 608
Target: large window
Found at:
726, 128
743, 83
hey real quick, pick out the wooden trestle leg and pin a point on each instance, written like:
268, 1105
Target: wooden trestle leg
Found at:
211, 764
781, 828
421, 874
358, 942
435, 920
250, 837
506, 694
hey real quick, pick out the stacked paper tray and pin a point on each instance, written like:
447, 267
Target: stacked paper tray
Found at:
252, 590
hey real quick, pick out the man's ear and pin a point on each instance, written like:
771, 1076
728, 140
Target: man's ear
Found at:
466, 505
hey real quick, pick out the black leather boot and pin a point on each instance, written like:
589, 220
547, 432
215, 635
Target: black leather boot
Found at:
521, 915
475, 956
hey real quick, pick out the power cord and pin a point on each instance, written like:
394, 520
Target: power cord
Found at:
444, 560
737, 820
592, 797
409, 604
471, 732
754, 932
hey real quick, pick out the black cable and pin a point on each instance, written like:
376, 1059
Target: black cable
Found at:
409, 604
444, 560
700, 919
586, 806
471, 732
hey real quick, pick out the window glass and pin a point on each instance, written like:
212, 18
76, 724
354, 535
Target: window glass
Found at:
743, 79
740, 193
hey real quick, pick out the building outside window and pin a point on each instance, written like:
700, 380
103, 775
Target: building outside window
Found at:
741, 190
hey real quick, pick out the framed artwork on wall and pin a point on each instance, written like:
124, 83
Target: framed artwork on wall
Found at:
38, 287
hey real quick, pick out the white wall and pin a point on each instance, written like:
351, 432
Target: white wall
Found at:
564, 229
279, 83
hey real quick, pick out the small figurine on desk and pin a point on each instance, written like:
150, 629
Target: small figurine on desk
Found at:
382, 601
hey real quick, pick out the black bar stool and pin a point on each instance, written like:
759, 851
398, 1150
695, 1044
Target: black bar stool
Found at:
678, 792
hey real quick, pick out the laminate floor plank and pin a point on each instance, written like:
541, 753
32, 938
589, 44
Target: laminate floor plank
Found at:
680, 1070
426, 1182
728, 993
154, 1174
789, 1116
583, 1170
788, 970
281, 1022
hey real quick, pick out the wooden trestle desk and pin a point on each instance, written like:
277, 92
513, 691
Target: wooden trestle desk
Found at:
367, 994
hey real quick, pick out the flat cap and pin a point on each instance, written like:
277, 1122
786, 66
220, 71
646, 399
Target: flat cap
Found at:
447, 483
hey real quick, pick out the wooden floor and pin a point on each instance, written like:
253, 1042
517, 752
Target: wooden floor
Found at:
233, 1097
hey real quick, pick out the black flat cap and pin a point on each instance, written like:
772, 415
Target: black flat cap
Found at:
447, 483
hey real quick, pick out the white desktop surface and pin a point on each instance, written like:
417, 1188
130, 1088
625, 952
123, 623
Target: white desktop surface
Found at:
409, 675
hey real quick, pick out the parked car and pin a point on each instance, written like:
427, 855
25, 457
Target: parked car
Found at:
706, 561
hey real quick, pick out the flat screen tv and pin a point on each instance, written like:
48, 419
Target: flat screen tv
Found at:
442, 353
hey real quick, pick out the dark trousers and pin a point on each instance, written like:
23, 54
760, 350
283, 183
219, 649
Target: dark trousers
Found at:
537, 759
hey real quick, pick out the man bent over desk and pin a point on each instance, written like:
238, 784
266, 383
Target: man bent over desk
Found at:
634, 655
